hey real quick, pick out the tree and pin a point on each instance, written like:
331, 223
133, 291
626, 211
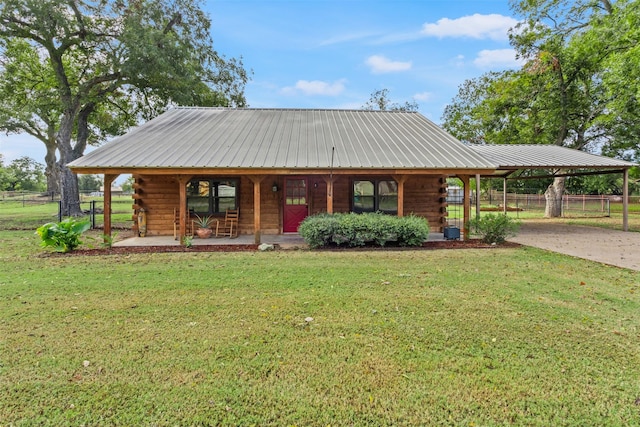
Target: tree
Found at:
6, 175
25, 174
558, 97
380, 101
88, 182
111, 62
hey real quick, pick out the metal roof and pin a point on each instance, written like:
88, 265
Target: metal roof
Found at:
512, 157
221, 138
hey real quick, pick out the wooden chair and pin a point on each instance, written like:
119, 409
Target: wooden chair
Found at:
176, 224
228, 227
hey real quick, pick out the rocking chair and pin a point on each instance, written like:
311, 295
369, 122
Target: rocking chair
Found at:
176, 224
228, 227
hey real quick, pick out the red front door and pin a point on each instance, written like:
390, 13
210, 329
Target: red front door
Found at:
296, 203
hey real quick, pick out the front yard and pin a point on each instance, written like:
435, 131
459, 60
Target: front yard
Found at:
450, 337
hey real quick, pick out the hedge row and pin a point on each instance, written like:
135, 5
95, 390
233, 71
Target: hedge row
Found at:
351, 229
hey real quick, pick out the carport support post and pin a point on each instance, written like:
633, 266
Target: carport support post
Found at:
504, 195
625, 201
108, 180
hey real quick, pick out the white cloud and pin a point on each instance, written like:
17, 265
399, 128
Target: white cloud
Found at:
316, 87
380, 65
497, 58
423, 96
476, 26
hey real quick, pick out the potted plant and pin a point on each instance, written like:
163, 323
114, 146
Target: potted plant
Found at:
203, 223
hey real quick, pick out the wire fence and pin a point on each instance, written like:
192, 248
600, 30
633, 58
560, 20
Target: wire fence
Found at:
24, 210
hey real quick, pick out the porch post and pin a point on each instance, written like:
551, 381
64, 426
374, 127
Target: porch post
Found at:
400, 179
108, 180
182, 182
466, 205
329, 181
257, 226
625, 201
477, 196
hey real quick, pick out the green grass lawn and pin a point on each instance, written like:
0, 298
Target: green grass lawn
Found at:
314, 338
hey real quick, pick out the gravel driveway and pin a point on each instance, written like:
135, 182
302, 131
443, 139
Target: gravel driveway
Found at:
618, 248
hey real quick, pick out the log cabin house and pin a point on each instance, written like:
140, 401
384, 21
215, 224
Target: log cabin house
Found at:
277, 166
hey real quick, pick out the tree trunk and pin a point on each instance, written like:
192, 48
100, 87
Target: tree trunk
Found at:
553, 197
69, 194
51, 171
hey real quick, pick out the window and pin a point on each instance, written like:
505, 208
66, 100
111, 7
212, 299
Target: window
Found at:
375, 195
212, 196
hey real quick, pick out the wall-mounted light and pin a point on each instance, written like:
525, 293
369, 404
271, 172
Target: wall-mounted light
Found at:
315, 184
274, 188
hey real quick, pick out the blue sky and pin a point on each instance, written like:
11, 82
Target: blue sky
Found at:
335, 53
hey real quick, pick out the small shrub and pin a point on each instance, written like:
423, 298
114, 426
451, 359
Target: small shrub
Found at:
63, 236
351, 229
495, 228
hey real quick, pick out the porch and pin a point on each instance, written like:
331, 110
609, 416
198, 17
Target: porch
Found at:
283, 241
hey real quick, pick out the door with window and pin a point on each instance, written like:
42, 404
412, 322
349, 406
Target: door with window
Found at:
296, 203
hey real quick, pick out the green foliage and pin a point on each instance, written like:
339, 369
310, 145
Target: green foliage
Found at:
22, 174
351, 229
203, 221
380, 101
88, 182
63, 236
495, 228
187, 241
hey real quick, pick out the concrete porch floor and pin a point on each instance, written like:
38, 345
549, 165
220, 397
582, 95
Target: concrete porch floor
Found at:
284, 241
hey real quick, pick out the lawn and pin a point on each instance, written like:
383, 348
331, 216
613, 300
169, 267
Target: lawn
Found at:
314, 338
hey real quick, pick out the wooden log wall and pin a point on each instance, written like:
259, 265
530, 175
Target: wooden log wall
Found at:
159, 195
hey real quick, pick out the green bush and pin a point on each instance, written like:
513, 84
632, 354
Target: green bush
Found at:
63, 236
351, 229
495, 228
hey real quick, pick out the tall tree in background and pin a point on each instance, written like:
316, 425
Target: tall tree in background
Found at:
560, 96
104, 64
380, 101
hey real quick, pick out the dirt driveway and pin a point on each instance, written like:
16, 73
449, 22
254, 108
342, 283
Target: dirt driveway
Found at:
621, 249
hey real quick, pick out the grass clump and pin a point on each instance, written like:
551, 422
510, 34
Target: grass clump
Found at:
351, 229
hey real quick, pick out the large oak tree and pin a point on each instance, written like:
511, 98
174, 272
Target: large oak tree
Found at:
563, 94
104, 64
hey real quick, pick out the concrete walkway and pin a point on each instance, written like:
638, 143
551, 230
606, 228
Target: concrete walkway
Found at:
618, 248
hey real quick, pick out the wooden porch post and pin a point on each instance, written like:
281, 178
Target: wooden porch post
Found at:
625, 201
182, 182
400, 179
477, 196
329, 181
108, 180
257, 226
466, 203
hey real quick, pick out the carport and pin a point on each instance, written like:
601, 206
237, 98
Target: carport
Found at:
519, 162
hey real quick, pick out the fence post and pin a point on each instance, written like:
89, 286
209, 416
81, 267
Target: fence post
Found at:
59, 210
92, 212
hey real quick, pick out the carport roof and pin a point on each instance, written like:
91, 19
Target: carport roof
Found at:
509, 158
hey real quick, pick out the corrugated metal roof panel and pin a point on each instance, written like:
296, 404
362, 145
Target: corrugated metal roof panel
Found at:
544, 156
285, 138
